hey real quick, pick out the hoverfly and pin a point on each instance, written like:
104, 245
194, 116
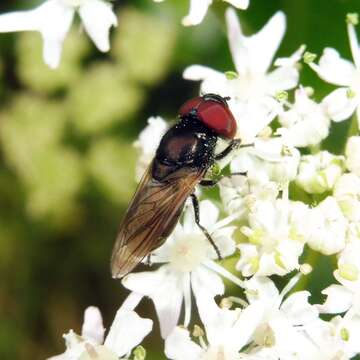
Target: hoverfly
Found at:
185, 153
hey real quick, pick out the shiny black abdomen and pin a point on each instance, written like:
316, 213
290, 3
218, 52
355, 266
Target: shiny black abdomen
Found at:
189, 143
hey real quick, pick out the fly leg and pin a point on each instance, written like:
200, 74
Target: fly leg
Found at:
213, 182
234, 144
195, 203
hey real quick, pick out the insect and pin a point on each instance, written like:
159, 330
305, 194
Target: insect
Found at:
185, 153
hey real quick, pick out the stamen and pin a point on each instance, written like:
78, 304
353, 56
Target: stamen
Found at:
289, 286
187, 299
354, 45
223, 272
238, 300
225, 221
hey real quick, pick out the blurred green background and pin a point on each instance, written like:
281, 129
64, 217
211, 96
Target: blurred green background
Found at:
67, 160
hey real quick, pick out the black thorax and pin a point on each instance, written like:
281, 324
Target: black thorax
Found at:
189, 143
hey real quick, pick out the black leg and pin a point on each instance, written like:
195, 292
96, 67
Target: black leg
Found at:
209, 183
213, 182
195, 203
234, 144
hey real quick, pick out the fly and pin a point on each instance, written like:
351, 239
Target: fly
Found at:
185, 153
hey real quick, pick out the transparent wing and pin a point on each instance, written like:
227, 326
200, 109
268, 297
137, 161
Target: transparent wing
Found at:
151, 216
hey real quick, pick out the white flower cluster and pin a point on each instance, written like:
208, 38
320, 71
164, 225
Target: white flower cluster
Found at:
261, 226
127, 331
53, 19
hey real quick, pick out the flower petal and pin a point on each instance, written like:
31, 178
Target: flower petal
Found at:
132, 301
292, 60
246, 324
338, 300
93, 328
197, 12
290, 342
236, 40
298, 310
164, 287
282, 78
224, 242
206, 285
240, 4
199, 72
178, 346
209, 214
306, 122
127, 331
253, 116
98, 17
339, 105
75, 347
21, 20
255, 53
261, 288
52, 19
212, 81
148, 142
334, 69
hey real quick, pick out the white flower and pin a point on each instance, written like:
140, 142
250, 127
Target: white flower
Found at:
306, 121
239, 193
272, 159
199, 8
280, 334
275, 235
252, 89
352, 153
148, 142
227, 332
53, 20
189, 264
319, 173
326, 227
127, 331
341, 103
345, 297
347, 194
337, 339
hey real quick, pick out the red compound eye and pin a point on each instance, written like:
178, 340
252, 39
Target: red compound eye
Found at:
213, 111
218, 117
